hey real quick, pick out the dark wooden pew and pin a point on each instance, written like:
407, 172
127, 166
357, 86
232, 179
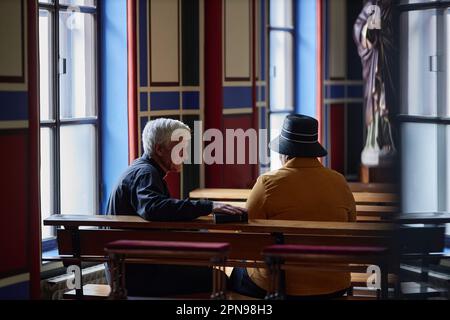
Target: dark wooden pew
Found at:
83, 238
423, 241
247, 240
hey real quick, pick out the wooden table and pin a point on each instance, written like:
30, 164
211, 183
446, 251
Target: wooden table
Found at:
370, 206
242, 195
373, 187
220, 194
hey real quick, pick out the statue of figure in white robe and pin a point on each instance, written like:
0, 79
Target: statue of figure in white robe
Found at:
373, 36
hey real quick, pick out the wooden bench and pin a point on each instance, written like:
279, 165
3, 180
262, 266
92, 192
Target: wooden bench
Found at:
424, 240
207, 254
83, 238
278, 257
370, 206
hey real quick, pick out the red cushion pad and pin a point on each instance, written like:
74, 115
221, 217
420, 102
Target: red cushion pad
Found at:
336, 250
168, 245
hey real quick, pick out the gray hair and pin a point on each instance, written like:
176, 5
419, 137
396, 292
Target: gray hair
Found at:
160, 131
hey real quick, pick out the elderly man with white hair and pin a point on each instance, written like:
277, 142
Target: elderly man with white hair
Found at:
142, 191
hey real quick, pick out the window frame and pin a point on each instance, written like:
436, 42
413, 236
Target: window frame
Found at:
54, 7
292, 31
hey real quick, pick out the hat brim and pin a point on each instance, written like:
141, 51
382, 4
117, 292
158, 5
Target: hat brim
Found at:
297, 149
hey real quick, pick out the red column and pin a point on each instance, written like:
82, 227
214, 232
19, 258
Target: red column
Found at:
255, 121
33, 188
213, 80
132, 82
319, 86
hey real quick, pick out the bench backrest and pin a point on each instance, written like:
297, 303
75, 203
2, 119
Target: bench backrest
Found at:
247, 240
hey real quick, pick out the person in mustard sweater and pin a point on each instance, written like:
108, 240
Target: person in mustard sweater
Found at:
303, 189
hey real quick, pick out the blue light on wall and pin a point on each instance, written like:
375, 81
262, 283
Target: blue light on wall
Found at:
306, 63
114, 110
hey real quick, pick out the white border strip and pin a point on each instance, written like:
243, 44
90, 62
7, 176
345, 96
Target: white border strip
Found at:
229, 111
168, 89
237, 84
174, 112
343, 82
14, 280
261, 104
344, 100
202, 80
14, 87
8, 125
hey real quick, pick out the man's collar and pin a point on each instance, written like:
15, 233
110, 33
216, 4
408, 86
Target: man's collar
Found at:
303, 163
152, 162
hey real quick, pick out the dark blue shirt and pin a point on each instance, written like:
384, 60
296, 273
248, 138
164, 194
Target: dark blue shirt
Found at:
142, 190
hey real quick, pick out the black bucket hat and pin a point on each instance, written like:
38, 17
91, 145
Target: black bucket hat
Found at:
299, 138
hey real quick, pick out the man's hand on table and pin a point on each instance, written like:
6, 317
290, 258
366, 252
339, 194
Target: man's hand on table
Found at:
228, 209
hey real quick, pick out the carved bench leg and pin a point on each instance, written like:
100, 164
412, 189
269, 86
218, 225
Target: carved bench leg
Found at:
384, 281
117, 270
277, 279
215, 284
219, 281
222, 282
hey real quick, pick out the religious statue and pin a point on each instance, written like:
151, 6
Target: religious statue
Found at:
373, 35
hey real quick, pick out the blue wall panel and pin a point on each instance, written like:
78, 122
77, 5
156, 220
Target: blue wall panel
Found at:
355, 91
335, 92
191, 100
263, 40
237, 97
262, 94
18, 291
164, 101
114, 110
143, 39
13, 105
143, 101
262, 114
